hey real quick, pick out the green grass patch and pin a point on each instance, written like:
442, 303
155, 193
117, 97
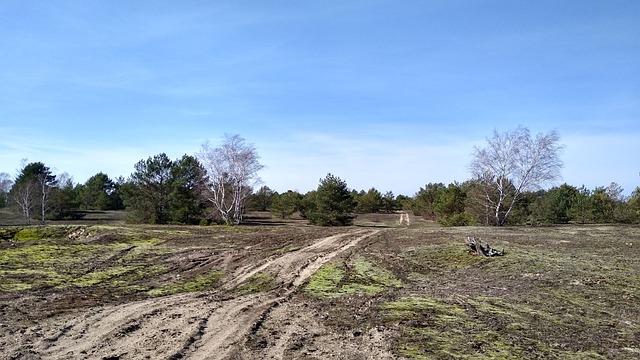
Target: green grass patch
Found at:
369, 273
49, 254
28, 234
485, 327
44, 256
208, 281
32, 277
31, 233
260, 282
357, 277
325, 282
432, 328
15, 286
98, 277
445, 257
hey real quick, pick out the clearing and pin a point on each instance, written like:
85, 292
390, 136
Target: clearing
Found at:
285, 290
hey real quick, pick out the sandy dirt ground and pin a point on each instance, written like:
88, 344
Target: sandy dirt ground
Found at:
209, 325
281, 289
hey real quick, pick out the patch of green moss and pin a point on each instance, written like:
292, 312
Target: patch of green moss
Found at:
24, 272
359, 277
417, 277
368, 272
448, 256
98, 277
95, 229
432, 328
15, 286
41, 232
60, 262
416, 305
324, 282
150, 270
137, 237
260, 282
201, 282
137, 274
36, 277
487, 305
28, 234
36, 255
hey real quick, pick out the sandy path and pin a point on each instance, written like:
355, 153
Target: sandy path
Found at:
129, 330
193, 325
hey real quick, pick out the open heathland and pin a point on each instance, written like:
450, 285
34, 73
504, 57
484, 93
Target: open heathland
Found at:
282, 289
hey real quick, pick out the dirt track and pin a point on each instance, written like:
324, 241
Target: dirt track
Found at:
207, 325
286, 290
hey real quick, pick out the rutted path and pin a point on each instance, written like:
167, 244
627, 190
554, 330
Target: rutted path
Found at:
191, 325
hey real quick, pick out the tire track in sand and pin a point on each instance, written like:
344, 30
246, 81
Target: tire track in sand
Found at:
287, 259
193, 325
227, 327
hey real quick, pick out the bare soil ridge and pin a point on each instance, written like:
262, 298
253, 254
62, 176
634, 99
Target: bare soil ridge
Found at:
198, 325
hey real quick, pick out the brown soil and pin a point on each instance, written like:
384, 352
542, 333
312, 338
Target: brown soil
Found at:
262, 305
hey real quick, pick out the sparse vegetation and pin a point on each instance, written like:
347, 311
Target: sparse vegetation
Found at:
201, 282
559, 292
358, 276
260, 282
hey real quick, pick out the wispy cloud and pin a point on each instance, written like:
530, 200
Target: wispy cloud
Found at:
384, 96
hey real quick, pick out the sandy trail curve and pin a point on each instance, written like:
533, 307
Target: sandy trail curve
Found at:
192, 325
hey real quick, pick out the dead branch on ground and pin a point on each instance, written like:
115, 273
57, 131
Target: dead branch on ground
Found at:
480, 247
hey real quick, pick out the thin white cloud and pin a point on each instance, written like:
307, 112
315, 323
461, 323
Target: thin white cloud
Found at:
386, 97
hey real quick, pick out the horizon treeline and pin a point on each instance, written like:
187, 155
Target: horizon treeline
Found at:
218, 185
163, 191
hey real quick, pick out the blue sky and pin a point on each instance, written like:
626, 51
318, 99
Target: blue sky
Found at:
384, 94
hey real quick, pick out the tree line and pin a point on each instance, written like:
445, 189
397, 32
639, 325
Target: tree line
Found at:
219, 184
212, 186
460, 204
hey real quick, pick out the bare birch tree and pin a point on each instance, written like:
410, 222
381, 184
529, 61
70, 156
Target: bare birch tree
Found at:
232, 172
512, 163
25, 194
5, 187
32, 186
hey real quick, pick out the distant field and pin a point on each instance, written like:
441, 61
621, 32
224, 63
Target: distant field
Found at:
89, 217
283, 289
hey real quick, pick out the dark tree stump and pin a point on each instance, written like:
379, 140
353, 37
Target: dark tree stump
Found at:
479, 247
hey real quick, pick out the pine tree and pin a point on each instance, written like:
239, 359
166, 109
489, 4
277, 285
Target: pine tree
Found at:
333, 203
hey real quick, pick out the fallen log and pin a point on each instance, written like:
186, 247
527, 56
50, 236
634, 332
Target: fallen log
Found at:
480, 247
